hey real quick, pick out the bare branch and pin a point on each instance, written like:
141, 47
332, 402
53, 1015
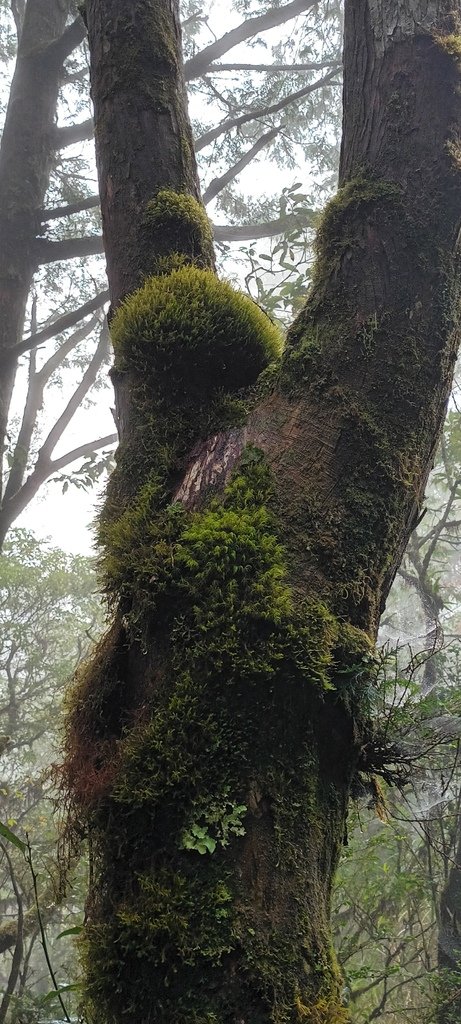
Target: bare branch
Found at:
83, 450
68, 249
68, 136
67, 346
217, 184
72, 36
250, 232
34, 402
252, 115
67, 211
79, 394
62, 323
45, 466
289, 68
198, 65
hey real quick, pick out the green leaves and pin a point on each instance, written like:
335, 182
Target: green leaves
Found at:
197, 838
76, 930
222, 819
11, 837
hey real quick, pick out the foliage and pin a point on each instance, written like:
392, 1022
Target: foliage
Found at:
49, 613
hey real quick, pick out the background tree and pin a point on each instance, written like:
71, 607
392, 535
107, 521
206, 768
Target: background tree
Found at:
214, 738
49, 615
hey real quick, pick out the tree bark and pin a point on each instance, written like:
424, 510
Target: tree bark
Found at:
449, 943
212, 740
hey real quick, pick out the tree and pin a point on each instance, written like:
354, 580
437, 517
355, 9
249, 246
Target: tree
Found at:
253, 525
49, 615
50, 219
28, 155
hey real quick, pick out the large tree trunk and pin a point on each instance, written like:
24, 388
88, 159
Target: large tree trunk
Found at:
213, 738
26, 158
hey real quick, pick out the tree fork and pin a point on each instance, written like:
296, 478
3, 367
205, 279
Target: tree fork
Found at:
250, 535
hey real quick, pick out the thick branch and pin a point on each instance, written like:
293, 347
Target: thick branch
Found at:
252, 115
199, 64
91, 245
67, 211
68, 249
289, 68
248, 232
217, 184
72, 36
73, 133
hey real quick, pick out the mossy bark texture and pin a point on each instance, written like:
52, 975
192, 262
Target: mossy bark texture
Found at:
252, 527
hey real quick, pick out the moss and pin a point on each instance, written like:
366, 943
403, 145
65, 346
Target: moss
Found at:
451, 43
189, 322
223, 739
316, 332
332, 240
174, 342
203, 712
182, 220
386, 385
324, 1011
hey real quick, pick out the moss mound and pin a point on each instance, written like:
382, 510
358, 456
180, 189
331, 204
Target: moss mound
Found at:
181, 219
192, 326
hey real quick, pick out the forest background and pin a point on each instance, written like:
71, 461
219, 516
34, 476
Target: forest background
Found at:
265, 96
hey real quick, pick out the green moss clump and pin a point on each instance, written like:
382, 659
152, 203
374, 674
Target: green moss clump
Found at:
182, 220
331, 240
451, 43
324, 1011
321, 335
193, 325
190, 349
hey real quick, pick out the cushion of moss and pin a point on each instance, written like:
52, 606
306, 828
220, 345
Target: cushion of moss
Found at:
192, 324
169, 206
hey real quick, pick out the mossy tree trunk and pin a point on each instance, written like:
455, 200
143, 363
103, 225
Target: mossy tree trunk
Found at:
253, 525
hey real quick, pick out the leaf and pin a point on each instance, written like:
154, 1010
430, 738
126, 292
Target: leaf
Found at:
55, 993
11, 837
76, 930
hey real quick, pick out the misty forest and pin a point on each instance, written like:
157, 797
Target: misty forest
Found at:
230, 512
